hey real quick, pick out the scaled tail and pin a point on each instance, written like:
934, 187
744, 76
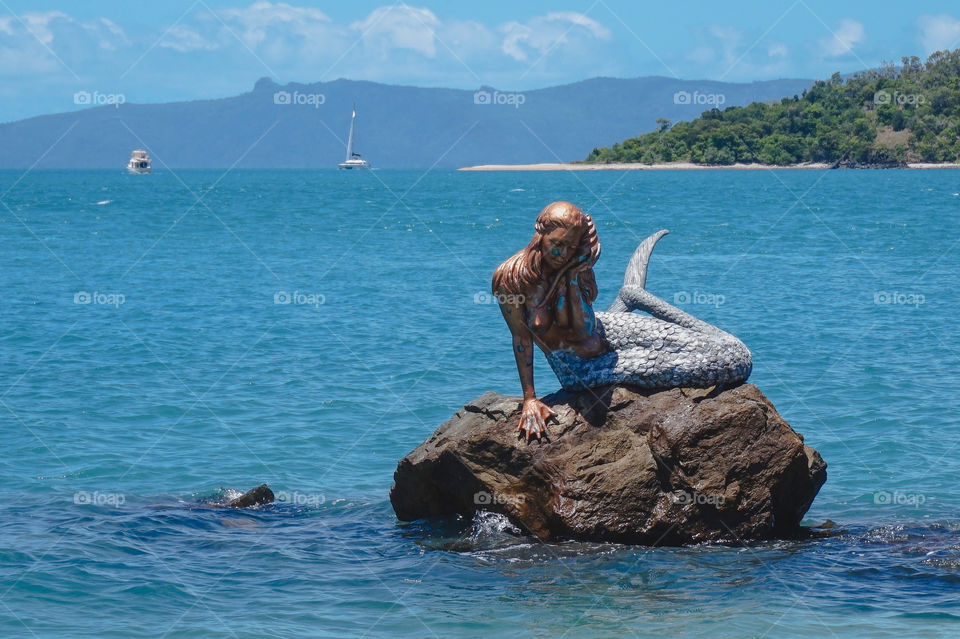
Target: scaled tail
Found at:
636, 273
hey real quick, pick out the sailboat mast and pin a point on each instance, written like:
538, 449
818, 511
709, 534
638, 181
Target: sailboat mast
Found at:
353, 121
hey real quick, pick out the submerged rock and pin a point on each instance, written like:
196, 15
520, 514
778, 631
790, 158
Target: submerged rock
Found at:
254, 497
655, 468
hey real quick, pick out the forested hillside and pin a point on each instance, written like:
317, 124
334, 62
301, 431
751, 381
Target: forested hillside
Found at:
896, 114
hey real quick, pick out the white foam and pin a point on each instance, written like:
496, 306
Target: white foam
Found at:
486, 523
230, 494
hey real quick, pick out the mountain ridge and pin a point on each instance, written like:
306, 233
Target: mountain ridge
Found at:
399, 126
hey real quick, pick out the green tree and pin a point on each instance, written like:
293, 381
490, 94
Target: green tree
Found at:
832, 121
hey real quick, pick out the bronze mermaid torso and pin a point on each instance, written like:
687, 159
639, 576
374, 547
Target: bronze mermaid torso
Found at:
547, 291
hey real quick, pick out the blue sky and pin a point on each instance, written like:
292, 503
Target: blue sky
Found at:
196, 49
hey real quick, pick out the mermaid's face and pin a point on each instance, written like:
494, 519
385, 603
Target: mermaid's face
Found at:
558, 246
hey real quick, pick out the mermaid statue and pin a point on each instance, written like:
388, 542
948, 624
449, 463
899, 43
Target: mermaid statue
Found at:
546, 294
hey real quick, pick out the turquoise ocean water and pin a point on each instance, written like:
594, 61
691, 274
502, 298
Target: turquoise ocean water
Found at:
149, 365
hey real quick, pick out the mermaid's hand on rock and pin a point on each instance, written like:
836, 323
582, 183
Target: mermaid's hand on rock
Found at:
533, 419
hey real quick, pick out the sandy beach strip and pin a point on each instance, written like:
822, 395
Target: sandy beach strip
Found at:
674, 166
624, 166
930, 165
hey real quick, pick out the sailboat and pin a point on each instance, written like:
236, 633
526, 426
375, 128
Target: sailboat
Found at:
353, 161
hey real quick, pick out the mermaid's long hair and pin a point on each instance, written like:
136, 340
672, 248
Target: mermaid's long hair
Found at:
521, 271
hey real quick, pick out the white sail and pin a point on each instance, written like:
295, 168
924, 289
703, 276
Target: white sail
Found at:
353, 121
353, 160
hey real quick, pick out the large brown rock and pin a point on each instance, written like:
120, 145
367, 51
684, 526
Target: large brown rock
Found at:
621, 465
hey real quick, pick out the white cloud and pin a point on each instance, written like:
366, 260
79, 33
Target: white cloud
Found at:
702, 55
730, 43
281, 31
544, 33
112, 27
50, 27
469, 37
719, 45
184, 39
728, 53
394, 41
278, 32
777, 50
293, 41
26, 42
939, 32
400, 27
594, 27
38, 24
849, 34
261, 20
26, 61
108, 33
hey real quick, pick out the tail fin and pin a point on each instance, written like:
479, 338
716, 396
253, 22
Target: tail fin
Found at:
636, 273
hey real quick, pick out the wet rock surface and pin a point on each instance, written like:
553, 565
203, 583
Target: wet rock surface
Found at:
621, 464
258, 496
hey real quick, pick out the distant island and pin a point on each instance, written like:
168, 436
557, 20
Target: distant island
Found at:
888, 117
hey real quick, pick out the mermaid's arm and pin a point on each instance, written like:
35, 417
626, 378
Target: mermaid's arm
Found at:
582, 320
522, 348
534, 413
